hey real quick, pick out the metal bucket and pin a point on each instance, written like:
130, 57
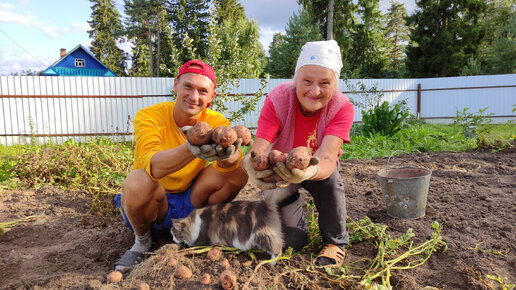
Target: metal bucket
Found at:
405, 190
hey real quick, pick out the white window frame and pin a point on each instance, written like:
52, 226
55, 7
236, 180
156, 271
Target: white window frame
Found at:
80, 62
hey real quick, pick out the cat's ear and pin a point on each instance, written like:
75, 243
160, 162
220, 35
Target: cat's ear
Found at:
177, 224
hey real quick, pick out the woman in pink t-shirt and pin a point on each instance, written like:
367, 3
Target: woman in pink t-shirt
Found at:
311, 112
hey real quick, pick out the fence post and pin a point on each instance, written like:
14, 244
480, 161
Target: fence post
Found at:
418, 101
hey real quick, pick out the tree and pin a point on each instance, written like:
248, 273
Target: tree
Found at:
445, 34
496, 53
145, 20
501, 56
343, 22
369, 55
228, 10
106, 26
284, 50
189, 18
397, 35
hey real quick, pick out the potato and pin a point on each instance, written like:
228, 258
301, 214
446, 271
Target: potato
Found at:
205, 280
244, 133
143, 286
298, 157
260, 162
183, 273
214, 254
172, 262
224, 136
199, 134
277, 156
228, 280
225, 263
114, 277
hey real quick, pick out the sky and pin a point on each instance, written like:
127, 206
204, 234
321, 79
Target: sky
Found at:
32, 32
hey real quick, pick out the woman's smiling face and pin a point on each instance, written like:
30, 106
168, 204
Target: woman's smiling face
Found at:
314, 87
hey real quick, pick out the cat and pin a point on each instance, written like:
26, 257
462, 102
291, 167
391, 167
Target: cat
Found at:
241, 224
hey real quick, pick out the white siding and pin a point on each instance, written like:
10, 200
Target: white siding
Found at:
45, 105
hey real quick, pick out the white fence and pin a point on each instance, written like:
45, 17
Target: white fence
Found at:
59, 108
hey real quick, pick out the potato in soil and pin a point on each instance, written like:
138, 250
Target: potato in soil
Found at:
298, 157
183, 273
244, 133
199, 134
224, 136
114, 277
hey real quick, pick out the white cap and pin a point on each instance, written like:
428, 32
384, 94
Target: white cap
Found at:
322, 53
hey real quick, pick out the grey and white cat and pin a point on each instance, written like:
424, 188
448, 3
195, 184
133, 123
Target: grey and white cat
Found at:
242, 224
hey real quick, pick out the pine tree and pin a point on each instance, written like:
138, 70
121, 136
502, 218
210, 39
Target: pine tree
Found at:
106, 26
444, 36
189, 19
228, 10
369, 55
397, 35
145, 20
284, 50
497, 52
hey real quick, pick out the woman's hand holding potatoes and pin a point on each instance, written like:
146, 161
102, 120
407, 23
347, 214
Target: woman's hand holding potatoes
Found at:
298, 167
257, 168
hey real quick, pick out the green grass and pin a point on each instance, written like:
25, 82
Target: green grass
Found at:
419, 138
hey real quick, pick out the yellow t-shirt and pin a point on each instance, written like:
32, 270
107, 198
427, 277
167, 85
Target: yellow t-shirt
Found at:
156, 130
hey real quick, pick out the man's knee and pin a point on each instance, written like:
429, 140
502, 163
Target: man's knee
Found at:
139, 188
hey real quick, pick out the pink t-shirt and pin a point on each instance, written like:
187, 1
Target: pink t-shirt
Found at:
305, 132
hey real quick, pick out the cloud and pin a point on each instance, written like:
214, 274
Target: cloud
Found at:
270, 14
9, 14
21, 62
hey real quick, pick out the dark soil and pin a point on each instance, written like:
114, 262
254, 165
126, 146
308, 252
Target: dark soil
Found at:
472, 195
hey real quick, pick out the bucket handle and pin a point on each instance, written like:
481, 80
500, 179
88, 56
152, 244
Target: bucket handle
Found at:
388, 160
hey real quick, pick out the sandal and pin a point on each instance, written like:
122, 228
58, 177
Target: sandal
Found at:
128, 260
330, 256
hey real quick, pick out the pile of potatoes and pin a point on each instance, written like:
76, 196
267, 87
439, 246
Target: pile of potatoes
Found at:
298, 157
225, 136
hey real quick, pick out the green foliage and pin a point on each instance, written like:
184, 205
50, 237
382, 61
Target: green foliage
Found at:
392, 253
284, 49
98, 166
445, 35
344, 19
472, 123
497, 52
369, 54
397, 35
191, 18
314, 235
105, 31
501, 56
383, 119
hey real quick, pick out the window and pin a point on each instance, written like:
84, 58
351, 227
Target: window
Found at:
79, 62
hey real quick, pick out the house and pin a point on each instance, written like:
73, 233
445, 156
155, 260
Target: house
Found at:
78, 62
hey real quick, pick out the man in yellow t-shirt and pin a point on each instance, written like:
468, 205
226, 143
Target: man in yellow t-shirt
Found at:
170, 177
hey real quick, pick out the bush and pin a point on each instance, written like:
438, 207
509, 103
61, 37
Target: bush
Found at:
383, 120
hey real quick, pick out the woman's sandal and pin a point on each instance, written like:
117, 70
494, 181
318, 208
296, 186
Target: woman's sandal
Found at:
330, 256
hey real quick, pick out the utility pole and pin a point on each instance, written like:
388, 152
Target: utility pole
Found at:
330, 20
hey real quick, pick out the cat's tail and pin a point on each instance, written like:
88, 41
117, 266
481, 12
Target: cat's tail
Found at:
275, 196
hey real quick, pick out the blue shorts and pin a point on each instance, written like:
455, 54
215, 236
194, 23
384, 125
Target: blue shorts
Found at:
179, 206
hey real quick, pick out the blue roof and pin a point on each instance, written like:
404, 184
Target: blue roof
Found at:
66, 65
